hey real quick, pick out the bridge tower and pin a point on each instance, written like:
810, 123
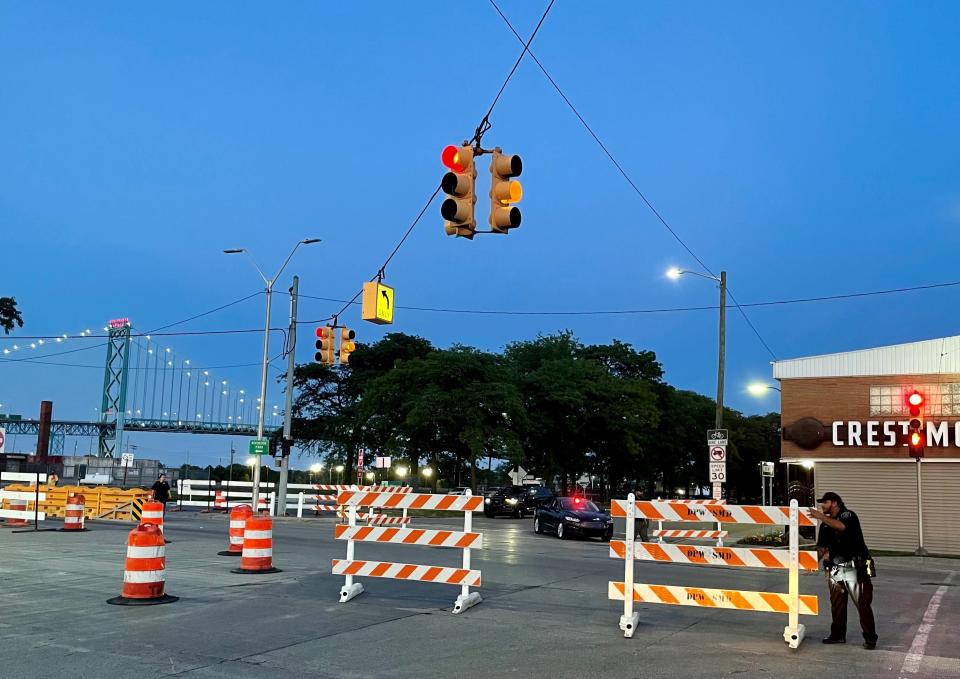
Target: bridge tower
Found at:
113, 408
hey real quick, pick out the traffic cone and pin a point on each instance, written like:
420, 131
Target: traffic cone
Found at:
144, 571
152, 514
73, 518
219, 502
261, 504
257, 556
238, 522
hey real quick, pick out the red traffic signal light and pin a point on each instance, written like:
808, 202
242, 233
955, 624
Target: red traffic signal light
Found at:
916, 431
325, 346
450, 157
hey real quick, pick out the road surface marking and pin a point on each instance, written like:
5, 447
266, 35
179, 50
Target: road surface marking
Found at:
911, 664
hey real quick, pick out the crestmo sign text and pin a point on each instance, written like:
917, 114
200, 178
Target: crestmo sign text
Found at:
889, 434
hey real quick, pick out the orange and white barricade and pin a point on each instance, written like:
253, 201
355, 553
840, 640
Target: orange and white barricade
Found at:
793, 604
719, 534
466, 540
219, 501
145, 569
73, 515
18, 502
328, 503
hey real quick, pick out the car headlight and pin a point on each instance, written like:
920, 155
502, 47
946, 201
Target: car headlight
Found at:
571, 519
486, 500
511, 500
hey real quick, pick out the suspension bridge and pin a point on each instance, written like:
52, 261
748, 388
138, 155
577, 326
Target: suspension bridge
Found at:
148, 388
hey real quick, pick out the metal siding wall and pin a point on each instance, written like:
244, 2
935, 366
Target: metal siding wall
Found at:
884, 496
941, 504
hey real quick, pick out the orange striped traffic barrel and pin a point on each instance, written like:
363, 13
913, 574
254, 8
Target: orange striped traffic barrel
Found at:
238, 522
17, 506
73, 516
152, 514
219, 501
257, 555
144, 572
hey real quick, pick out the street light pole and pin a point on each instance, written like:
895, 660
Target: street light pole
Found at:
675, 273
722, 359
266, 350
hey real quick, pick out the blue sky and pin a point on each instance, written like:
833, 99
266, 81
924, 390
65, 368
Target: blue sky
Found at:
805, 149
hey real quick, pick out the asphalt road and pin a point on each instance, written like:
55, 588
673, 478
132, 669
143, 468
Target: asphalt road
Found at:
544, 613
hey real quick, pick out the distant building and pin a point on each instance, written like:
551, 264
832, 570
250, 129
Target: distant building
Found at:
847, 413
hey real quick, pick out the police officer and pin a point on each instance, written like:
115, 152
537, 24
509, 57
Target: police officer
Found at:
848, 564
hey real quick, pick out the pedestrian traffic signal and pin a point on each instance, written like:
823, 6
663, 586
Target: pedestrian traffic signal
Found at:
916, 432
505, 192
325, 346
347, 345
459, 185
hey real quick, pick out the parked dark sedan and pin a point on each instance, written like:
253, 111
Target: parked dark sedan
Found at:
568, 516
517, 501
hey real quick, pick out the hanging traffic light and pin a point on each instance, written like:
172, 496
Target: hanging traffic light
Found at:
916, 432
325, 346
460, 186
347, 345
505, 192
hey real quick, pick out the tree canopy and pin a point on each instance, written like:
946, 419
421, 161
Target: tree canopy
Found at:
561, 409
9, 315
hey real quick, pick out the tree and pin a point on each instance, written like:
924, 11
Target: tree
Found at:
9, 315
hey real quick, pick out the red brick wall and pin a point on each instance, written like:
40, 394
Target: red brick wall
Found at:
848, 399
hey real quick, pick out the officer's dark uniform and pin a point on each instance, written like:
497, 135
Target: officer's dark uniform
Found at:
845, 564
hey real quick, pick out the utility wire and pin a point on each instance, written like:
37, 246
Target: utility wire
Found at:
623, 172
207, 313
624, 312
478, 134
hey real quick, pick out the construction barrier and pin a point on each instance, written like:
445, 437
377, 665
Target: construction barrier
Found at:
223, 495
717, 534
19, 504
74, 516
793, 604
465, 540
144, 571
325, 502
100, 502
238, 523
257, 555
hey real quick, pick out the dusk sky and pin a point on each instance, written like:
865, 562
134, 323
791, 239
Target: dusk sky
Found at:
807, 149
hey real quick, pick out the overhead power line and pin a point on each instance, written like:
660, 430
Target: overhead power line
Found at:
655, 310
626, 176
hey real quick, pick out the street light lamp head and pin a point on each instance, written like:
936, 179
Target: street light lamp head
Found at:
233, 251
316, 468
370, 476
401, 472
758, 388
674, 273
427, 472
308, 241
338, 468
251, 461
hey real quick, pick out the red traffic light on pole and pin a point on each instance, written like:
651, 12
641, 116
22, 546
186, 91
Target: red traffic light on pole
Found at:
325, 345
916, 430
459, 185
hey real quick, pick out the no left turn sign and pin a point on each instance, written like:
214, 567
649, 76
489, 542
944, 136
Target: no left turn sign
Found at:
718, 453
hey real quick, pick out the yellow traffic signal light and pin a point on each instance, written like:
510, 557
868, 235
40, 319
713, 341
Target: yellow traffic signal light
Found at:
460, 186
347, 345
505, 192
325, 346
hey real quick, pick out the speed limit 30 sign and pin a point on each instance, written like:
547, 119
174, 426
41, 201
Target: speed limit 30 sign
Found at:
718, 472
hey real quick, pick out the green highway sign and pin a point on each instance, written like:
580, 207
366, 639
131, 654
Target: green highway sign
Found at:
259, 447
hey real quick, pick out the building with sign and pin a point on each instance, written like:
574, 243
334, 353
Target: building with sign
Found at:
848, 415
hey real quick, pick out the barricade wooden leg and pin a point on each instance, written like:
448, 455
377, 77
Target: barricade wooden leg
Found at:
630, 618
350, 588
466, 599
794, 632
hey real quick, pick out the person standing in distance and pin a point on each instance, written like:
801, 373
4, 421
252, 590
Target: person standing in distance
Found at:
849, 568
161, 491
